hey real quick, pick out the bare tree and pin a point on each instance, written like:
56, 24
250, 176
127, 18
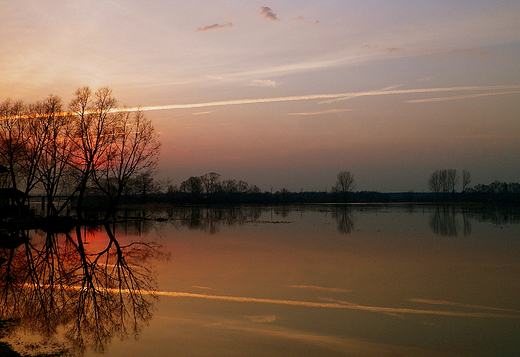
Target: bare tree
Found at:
443, 181
210, 182
345, 184
12, 143
92, 135
452, 179
49, 150
434, 182
94, 145
192, 185
133, 150
466, 180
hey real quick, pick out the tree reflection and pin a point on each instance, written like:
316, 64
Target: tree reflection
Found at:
57, 282
443, 221
344, 218
209, 219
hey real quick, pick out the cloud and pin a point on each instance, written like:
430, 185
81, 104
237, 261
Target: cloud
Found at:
457, 97
263, 319
214, 27
469, 52
451, 303
331, 111
268, 14
201, 113
262, 83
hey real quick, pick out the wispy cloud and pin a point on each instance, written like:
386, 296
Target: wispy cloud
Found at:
393, 49
214, 27
262, 319
451, 303
331, 111
262, 83
268, 14
468, 52
201, 287
202, 113
442, 99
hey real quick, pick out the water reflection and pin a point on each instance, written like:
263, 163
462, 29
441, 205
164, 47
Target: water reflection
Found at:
443, 221
344, 219
93, 291
447, 220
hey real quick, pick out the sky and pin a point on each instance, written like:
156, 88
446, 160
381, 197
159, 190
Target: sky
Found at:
285, 94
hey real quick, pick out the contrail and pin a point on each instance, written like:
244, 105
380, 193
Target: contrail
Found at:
298, 98
317, 96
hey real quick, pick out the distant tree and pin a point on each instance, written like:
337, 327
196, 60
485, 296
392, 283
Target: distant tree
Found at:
210, 183
192, 185
443, 181
242, 186
452, 179
230, 186
434, 182
254, 189
345, 184
466, 180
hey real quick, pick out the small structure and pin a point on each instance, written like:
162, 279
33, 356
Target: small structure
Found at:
10, 199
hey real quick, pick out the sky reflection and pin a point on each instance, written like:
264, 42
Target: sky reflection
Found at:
289, 281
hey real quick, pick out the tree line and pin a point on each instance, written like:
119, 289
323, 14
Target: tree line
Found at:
443, 186
92, 146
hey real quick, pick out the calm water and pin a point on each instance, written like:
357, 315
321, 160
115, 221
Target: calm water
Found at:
300, 281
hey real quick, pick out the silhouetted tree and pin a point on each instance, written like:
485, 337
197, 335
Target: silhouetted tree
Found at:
345, 184
133, 151
49, 144
92, 135
210, 183
193, 185
466, 180
443, 181
12, 140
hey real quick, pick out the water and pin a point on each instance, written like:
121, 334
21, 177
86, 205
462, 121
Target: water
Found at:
299, 281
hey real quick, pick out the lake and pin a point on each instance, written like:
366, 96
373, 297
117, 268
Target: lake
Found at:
316, 280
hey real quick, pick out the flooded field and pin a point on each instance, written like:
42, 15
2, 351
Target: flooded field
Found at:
319, 280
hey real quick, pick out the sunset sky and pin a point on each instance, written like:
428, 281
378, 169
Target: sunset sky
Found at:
288, 93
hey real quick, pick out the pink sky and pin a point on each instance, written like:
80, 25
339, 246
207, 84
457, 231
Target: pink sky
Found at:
164, 53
